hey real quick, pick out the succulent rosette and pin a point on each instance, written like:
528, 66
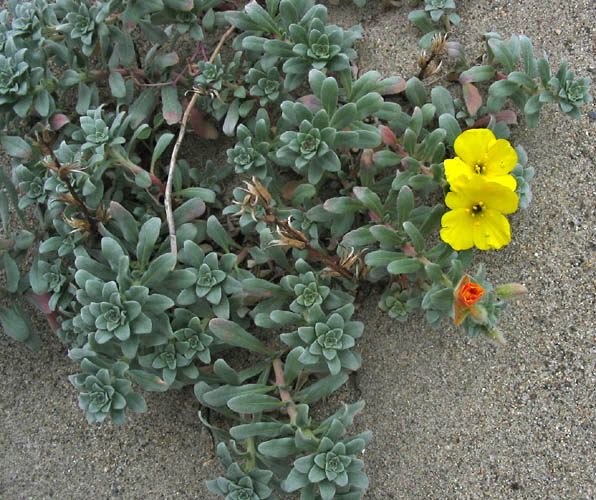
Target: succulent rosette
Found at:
332, 467
328, 339
106, 392
214, 281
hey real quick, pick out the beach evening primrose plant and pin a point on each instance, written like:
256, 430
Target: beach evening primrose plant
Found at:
154, 284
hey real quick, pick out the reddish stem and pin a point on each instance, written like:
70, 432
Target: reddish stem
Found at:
284, 394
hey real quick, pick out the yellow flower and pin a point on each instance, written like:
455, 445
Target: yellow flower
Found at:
479, 152
476, 216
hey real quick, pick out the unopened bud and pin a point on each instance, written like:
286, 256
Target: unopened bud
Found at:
495, 336
510, 290
479, 313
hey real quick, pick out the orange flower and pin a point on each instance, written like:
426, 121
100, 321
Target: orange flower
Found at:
466, 294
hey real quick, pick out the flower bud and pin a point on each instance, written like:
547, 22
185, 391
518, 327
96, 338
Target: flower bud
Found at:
479, 313
510, 290
495, 336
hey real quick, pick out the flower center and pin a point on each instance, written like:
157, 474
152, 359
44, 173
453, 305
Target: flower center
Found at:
477, 209
479, 168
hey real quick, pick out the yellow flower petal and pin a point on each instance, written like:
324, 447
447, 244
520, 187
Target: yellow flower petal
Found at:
456, 229
504, 180
456, 167
465, 193
492, 230
498, 197
501, 158
472, 145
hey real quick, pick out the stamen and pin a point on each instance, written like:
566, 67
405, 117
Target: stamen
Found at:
477, 208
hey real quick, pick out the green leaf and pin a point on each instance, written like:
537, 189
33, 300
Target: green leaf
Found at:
234, 335
450, 124
143, 179
292, 366
84, 98
14, 323
442, 100
343, 205
523, 80
431, 142
226, 373
162, 143
415, 237
502, 53
232, 117
433, 220
221, 395
148, 236
329, 95
421, 20
386, 236
117, 85
381, 258
404, 266
358, 237
527, 51
477, 74
207, 195
171, 107
209, 20
70, 78
136, 402
261, 429
12, 273
344, 116
278, 48
415, 92
533, 105
322, 388
189, 211
126, 222
16, 146
386, 158
219, 235
148, 381
261, 17
405, 203
158, 270
142, 108
279, 448
369, 199
369, 104
544, 71
254, 403
503, 88
42, 102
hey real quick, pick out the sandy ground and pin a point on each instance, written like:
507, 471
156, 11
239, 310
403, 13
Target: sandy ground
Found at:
452, 418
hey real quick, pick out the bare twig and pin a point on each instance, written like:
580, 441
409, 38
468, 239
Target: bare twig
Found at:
224, 37
168, 193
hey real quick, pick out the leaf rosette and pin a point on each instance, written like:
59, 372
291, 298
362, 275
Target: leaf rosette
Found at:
106, 392
328, 339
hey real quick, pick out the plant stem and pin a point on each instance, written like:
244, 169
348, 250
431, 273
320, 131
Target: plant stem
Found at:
172, 169
73, 193
284, 394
